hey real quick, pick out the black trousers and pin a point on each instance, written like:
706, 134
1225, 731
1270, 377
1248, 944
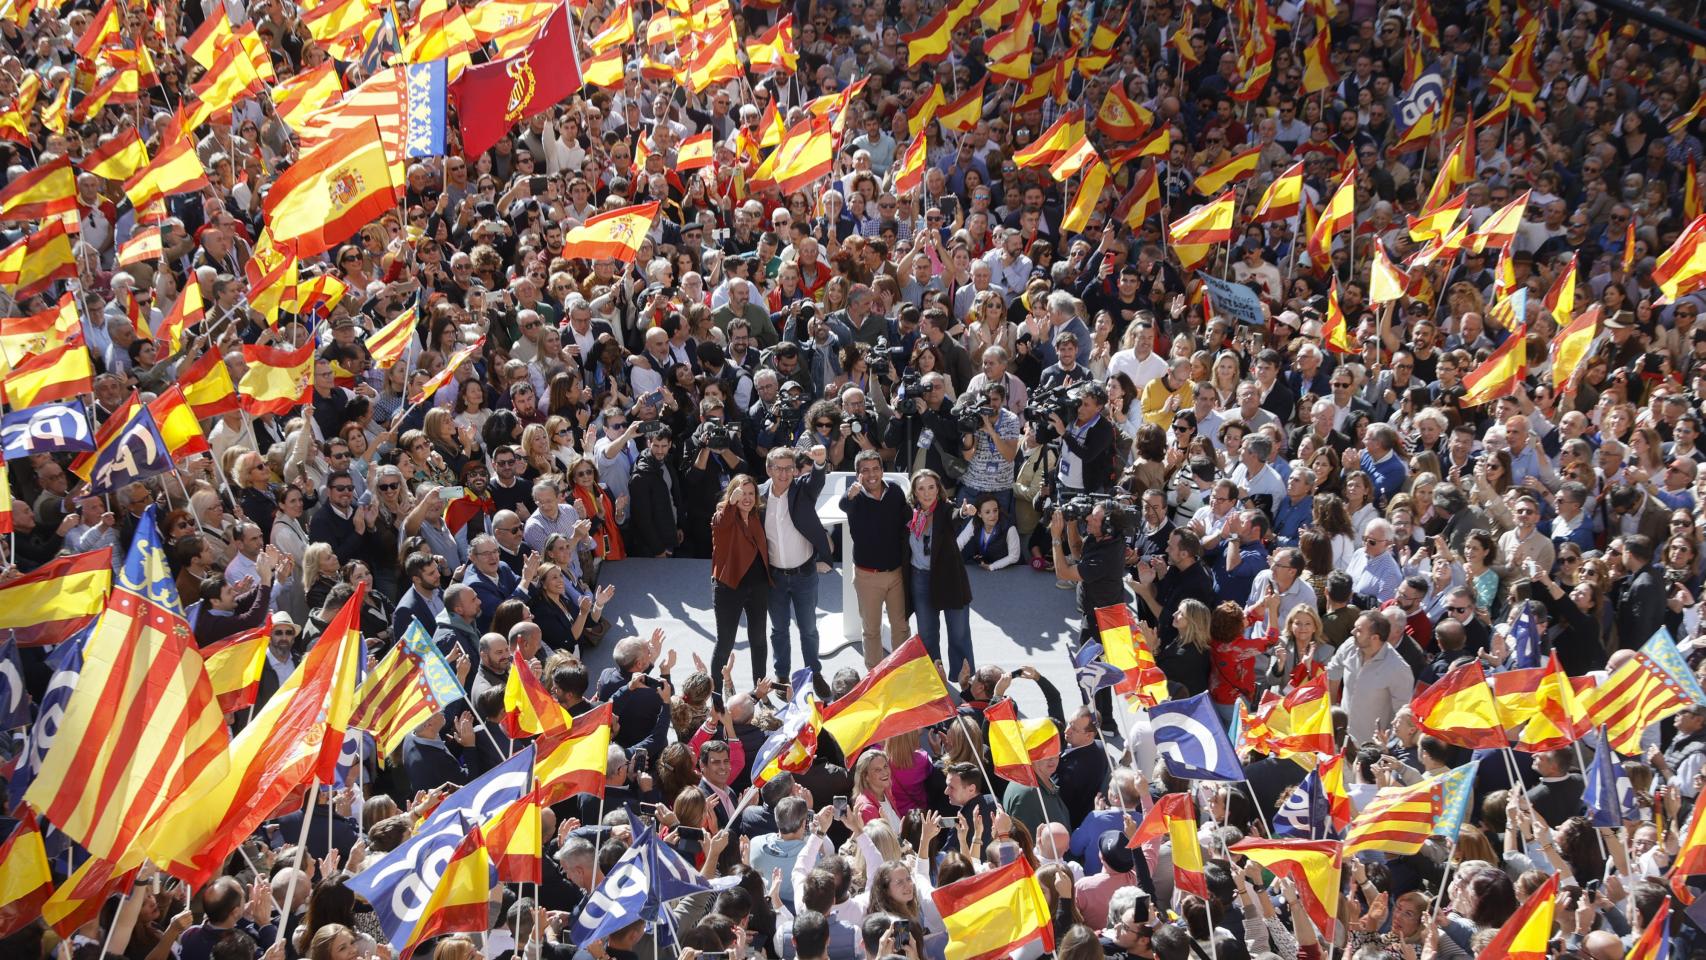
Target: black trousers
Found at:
751, 598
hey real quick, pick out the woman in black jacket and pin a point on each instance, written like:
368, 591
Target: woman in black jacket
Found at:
1574, 628
936, 574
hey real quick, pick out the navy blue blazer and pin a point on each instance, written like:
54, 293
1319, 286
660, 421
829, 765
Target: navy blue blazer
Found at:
802, 509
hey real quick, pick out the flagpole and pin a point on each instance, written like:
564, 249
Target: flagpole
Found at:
976, 743
1266, 826
1581, 761
301, 847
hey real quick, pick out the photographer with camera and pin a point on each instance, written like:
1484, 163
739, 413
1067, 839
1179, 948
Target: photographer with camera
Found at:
924, 433
857, 430
1089, 548
713, 456
781, 422
1087, 445
990, 439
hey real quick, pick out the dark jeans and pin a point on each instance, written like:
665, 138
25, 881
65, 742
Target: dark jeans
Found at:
930, 625
799, 591
751, 598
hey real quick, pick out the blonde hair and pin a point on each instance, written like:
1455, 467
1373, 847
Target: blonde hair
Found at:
311, 558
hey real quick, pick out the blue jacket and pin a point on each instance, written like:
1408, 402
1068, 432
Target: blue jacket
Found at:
802, 509
507, 585
412, 608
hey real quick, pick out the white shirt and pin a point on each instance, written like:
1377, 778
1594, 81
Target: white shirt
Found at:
788, 548
1142, 371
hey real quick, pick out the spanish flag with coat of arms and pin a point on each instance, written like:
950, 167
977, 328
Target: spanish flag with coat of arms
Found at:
336, 189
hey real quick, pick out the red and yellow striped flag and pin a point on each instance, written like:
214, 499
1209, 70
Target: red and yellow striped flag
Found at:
177, 423
1313, 865
990, 915
1398, 820
1459, 708
1571, 344
1015, 744
575, 762
389, 343
188, 311
46, 191
57, 599
1234, 169
1650, 686
294, 739
909, 176
1681, 269
1142, 201
613, 235
775, 50
1527, 934
118, 157
1207, 224
1386, 283
514, 835
1144, 682
458, 902
235, 665
1174, 817
1301, 722
529, 710
25, 880
1335, 332
142, 723
208, 387
444, 376
1499, 230
175, 169
1122, 118
1501, 374
393, 700
1339, 213
62, 373
964, 112
1283, 197
278, 378
695, 152
144, 245
35, 261
903, 692
1053, 142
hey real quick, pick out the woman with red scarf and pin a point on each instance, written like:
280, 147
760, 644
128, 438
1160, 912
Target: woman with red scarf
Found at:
593, 501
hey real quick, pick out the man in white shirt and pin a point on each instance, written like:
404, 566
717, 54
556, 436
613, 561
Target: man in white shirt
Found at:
1140, 362
1254, 476
798, 546
1368, 678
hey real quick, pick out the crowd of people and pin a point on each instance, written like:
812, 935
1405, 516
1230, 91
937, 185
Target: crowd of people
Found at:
1069, 408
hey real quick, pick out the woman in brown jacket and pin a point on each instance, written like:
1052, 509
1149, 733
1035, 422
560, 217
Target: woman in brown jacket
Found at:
740, 574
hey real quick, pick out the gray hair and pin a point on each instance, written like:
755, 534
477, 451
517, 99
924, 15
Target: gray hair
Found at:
628, 652
791, 815
1062, 302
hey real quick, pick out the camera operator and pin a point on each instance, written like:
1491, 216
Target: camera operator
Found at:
714, 454
990, 440
1087, 445
857, 431
783, 422
1093, 560
923, 433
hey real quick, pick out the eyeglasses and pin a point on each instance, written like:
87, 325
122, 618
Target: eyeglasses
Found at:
823, 424
343, 488
1458, 609
1372, 541
388, 487
583, 473
511, 529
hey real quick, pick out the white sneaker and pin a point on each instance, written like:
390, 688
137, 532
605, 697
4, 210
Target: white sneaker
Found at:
1063, 584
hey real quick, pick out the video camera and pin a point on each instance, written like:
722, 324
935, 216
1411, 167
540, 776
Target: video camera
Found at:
970, 412
717, 435
877, 358
1053, 402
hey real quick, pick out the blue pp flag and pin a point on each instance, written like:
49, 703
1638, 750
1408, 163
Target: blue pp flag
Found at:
423, 109
1188, 735
400, 883
381, 48
49, 428
132, 451
1603, 792
1094, 672
1424, 97
67, 662
14, 701
1304, 814
1525, 639
649, 875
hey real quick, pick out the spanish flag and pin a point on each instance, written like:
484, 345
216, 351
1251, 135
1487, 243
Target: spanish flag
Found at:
1691, 856
36, 261
444, 376
1527, 933
234, 667
79, 899
22, 336
574, 763
1301, 723
1335, 332
301, 95
1339, 213
1571, 344
1233, 169
932, 40
61, 373
617, 30
1156, 143
909, 176
903, 692
334, 190
1554, 704
1318, 70
1459, 708
1122, 118
1053, 142
207, 385
278, 379
458, 902
232, 77
1069, 164
214, 34
1174, 817
514, 835
1313, 865
1015, 744
1652, 685
294, 739
144, 245
46, 191
613, 235
1283, 197
528, 708
965, 111
1456, 172
1434, 223
25, 880
391, 342
1207, 224
605, 69
924, 108
806, 156
1332, 776
1681, 269
118, 157
175, 169
177, 423
1499, 230
775, 50
1691, 203
716, 59
990, 915
1655, 940
58, 598
1501, 374
508, 24
1144, 682
1386, 283
1142, 201
695, 152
